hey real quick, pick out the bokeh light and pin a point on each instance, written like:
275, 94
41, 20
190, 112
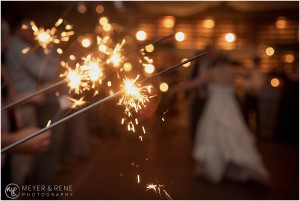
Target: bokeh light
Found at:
179, 36
141, 35
149, 68
149, 48
230, 37
275, 82
270, 51
99, 9
86, 42
164, 87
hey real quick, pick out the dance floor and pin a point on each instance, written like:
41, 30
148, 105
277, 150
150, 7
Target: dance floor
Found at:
164, 155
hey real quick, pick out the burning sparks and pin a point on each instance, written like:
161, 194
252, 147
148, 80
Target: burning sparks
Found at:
77, 103
158, 188
85, 76
116, 57
138, 178
135, 97
46, 37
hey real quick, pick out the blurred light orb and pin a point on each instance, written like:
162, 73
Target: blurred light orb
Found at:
99, 9
289, 58
149, 48
169, 22
107, 27
82, 8
72, 57
86, 43
149, 68
164, 87
209, 23
103, 21
230, 37
127, 67
275, 82
59, 51
102, 48
141, 35
270, 51
281, 23
179, 36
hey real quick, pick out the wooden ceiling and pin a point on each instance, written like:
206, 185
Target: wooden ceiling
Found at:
186, 8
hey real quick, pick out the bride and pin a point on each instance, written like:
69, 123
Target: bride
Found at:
224, 146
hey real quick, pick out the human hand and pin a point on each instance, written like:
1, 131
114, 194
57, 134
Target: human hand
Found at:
35, 145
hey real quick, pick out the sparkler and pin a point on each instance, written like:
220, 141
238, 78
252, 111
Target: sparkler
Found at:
44, 36
135, 96
21, 100
47, 37
85, 76
66, 80
95, 104
134, 99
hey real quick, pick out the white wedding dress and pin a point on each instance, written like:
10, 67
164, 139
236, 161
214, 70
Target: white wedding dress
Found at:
224, 146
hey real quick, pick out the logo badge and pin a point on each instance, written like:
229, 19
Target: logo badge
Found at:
12, 191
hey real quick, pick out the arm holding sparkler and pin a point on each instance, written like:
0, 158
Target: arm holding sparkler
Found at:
22, 45
198, 81
36, 145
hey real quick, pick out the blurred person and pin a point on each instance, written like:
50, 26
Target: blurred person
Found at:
286, 123
10, 124
37, 70
76, 141
199, 95
224, 146
253, 83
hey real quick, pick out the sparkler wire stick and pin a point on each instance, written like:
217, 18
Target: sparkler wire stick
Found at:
32, 95
95, 104
63, 81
